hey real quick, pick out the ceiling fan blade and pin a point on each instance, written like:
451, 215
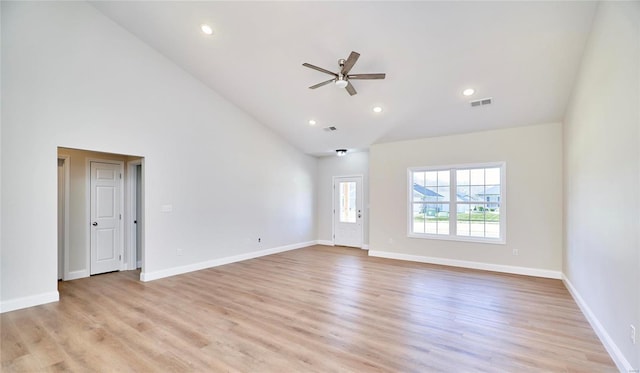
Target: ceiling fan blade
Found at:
319, 69
321, 84
367, 76
350, 89
348, 64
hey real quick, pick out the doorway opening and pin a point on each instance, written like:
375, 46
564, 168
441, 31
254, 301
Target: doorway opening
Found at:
135, 213
100, 212
63, 216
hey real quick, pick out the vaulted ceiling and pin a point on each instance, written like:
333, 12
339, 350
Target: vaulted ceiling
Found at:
523, 55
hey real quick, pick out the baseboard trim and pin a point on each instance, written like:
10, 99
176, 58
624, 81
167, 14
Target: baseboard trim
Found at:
77, 274
535, 272
150, 276
618, 358
324, 242
31, 301
330, 243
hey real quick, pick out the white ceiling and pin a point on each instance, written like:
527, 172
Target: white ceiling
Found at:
523, 54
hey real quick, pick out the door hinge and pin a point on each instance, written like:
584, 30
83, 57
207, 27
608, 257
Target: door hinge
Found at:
121, 175
119, 257
120, 216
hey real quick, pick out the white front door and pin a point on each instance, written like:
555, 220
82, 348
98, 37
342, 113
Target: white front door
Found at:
105, 217
347, 211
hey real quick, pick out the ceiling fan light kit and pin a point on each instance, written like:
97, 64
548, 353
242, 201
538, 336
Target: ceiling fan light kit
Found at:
341, 82
342, 77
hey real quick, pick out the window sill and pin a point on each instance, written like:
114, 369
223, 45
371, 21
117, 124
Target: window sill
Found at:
493, 241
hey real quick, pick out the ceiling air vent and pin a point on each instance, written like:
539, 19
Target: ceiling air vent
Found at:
330, 129
481, 102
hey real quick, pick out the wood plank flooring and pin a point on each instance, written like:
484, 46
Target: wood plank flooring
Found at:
318, 309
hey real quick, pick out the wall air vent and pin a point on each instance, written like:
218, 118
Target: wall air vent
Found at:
330, 129
481, 102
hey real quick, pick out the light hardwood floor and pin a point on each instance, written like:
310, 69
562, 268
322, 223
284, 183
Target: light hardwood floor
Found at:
318, 309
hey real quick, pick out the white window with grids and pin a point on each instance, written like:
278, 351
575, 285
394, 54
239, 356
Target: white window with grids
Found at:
465, 202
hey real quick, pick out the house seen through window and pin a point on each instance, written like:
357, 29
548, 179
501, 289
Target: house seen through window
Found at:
461, 203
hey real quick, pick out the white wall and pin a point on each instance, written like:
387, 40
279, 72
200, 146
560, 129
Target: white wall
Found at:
73, 78
533, 157
328, 167
602, 180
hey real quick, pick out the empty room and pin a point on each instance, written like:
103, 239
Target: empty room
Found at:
302, 186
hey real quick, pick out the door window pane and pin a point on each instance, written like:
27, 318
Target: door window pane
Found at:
347, 192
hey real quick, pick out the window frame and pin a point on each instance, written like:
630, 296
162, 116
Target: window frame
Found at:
453, 208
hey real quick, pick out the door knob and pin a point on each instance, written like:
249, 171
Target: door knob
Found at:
95, 224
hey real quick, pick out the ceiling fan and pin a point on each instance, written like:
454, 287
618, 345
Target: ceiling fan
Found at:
342, 78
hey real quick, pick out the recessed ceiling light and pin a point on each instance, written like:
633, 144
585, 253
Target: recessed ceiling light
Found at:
377, 109
468, 91
341, 152
206, 29
312, 122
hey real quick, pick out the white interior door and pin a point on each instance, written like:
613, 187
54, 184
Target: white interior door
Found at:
105, 217
347, 211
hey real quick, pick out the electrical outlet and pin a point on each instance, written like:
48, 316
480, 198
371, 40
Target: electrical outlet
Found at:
516, 252
632, 333
259, 240
179, 252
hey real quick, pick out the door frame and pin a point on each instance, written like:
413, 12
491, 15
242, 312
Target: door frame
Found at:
88, 209
65, 169
132, 182
333, 207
